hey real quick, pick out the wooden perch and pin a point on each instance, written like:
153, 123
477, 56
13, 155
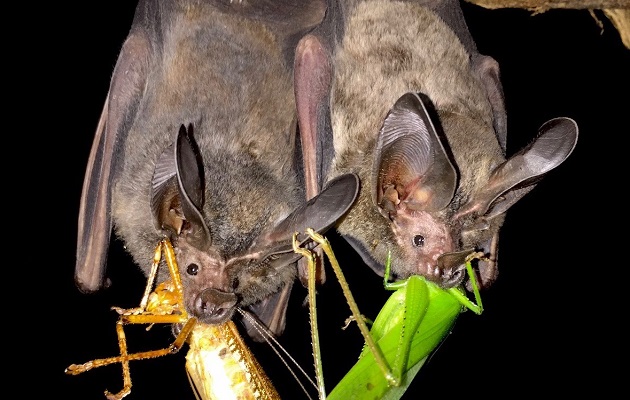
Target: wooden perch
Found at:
621, 20
618, 11
543, 5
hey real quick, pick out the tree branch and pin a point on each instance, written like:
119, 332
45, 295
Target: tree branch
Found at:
617, 11
544, 5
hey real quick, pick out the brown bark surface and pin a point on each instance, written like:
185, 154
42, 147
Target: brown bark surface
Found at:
620, 18
618, 11
542, 5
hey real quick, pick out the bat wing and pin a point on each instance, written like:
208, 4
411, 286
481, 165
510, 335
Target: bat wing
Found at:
272, 312
95, 222
313, 74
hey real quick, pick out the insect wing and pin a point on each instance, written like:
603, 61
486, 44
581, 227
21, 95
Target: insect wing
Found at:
366, 380
221, 366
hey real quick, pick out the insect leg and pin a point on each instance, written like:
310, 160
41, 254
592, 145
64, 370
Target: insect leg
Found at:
310, 257
161, 306
458, 293
376, 351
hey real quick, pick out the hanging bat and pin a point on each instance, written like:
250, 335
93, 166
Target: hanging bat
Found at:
197, 142
397, 92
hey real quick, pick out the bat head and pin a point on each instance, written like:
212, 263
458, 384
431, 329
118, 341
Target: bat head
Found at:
435, 192
232, 256
418, 114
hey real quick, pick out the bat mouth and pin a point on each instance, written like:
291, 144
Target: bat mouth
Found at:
452, 268
213, 306
453, 277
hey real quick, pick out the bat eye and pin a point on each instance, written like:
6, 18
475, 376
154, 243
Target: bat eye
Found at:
192, 269
418, 240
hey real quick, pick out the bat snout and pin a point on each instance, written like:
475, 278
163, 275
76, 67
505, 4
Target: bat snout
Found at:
214, 306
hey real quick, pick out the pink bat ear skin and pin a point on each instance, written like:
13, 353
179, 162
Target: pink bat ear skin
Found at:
320, 213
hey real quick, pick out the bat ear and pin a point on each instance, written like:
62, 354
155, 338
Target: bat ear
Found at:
320, 213
177, 190
410, 163
514, 178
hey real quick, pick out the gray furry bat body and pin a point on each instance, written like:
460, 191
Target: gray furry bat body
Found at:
396, 92
197, 142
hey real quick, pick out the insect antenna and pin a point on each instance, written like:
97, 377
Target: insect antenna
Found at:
280, 351
193, 386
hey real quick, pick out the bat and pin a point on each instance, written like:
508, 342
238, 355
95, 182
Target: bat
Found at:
197, 143
397, 92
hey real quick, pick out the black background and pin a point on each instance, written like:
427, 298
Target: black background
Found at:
546, 327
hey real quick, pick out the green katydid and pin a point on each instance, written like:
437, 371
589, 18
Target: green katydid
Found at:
411, 324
